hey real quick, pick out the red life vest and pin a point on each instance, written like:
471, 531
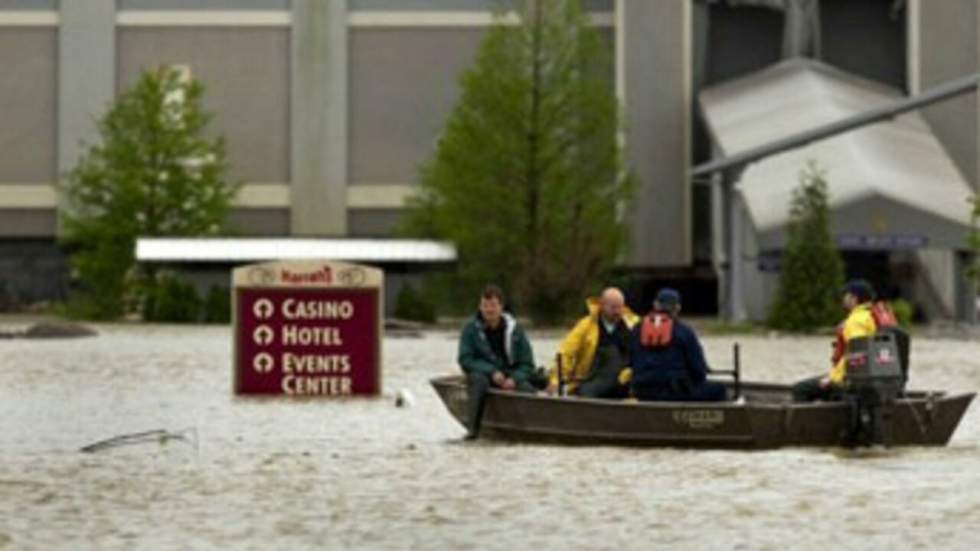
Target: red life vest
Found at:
840, 345
657, 330
883, 315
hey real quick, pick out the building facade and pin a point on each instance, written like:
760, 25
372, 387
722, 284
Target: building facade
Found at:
329, 106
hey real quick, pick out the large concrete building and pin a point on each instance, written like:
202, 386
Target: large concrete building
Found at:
329, 106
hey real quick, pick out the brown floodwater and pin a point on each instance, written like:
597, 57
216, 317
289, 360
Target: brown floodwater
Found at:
363, 474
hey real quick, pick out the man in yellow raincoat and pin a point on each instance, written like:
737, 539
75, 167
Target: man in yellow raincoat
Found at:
858, 297
594, 356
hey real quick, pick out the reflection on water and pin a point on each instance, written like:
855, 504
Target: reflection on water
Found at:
364, 474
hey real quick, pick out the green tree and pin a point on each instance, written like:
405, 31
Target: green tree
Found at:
813, 272
411, 305
154, 173
171, 299
528, 177
217, 305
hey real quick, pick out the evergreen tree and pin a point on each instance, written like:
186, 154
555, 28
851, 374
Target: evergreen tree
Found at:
528, 178
154, 173
812, 269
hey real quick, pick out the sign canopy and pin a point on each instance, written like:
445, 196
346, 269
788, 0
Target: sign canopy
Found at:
310, 328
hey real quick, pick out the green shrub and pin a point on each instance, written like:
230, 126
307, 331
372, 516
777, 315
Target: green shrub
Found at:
903, 311
449, 294
411, 305
217, 305
101, 277
170, 299
7, 302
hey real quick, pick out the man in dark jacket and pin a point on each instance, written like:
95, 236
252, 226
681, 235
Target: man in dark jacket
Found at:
668, 362
493, 353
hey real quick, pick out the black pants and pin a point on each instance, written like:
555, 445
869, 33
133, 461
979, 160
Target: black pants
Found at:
603, 385
809, 390
477, 386
708, 391
603, 380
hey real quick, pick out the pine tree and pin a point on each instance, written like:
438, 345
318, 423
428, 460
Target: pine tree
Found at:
154, 173
528, 177
812, 269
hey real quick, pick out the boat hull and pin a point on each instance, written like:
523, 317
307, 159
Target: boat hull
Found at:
766, 420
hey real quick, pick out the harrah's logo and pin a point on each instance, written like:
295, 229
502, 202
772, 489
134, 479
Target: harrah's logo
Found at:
322, 275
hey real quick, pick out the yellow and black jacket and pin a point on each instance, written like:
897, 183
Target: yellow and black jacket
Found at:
577, 349
859, 323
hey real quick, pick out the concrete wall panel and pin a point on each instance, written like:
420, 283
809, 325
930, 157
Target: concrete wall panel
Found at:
259, 222
657, 42
203, 5
245, 72
403, 87
948, 50
452, 5
39, 5
28, 105
15, 223
372, 222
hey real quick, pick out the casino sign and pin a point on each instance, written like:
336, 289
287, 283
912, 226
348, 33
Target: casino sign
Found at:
310, 328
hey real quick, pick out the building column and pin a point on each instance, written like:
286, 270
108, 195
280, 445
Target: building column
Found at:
86, 75
966, 289
656, 88
734, 272
318, 148
913, 64
946, 41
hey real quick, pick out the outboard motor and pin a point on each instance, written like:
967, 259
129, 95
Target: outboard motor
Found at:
887, 322
903, 341
873, 381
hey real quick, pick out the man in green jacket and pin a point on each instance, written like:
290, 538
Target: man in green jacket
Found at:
493, 353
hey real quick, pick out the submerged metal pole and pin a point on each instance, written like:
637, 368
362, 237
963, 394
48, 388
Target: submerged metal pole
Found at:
737, 361
561, 377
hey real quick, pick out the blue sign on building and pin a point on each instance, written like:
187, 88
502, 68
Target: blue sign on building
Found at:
888, 242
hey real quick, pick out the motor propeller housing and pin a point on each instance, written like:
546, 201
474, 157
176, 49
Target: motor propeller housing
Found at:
873, 380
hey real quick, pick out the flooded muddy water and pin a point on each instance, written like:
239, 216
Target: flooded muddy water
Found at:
363, 474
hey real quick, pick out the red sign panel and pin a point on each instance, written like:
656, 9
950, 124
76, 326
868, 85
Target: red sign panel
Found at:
307, 341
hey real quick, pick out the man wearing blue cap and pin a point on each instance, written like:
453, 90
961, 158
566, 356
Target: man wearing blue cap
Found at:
860, 322
668, 362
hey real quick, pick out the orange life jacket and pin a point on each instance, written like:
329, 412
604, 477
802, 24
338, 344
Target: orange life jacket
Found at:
840, 345
657, 330
883, 315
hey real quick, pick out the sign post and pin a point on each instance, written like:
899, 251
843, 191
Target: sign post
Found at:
310, 328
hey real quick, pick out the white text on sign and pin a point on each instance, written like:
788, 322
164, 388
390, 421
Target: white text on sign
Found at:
317, 309
316, 386
294, 335
315, 363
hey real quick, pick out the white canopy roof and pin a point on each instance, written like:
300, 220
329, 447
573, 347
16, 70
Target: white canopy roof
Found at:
888, 179
233, 250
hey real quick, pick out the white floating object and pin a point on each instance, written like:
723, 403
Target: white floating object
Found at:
404, 399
